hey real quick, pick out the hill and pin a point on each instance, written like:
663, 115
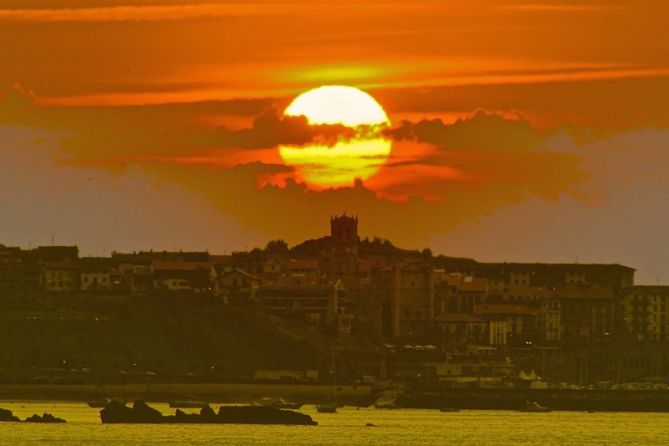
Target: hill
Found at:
106, 338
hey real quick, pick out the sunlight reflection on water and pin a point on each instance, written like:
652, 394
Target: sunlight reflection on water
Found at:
391, 427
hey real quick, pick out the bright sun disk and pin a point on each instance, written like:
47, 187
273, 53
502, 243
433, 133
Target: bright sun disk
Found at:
347, 160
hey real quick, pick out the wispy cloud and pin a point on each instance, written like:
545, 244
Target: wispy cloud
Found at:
556, 7
134, 13
191, 11
264, 89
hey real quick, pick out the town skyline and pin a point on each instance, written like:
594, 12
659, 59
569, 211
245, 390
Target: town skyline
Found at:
642, 279
368, 290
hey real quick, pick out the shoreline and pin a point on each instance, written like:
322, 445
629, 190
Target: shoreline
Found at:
352, 395
211, 393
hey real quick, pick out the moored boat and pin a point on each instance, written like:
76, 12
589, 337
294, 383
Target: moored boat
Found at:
533, 406
278, 403
326, 408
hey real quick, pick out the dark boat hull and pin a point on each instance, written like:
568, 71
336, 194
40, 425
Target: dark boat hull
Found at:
326, 408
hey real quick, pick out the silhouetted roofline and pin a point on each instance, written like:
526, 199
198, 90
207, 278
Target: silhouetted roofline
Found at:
551, 265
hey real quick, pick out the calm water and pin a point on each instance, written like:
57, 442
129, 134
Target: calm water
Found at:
392, 427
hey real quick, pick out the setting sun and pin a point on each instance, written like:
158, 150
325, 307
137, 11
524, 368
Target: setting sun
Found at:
349, 159
348, 106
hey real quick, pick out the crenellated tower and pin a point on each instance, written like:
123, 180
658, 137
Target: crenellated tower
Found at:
343, 251
344, 229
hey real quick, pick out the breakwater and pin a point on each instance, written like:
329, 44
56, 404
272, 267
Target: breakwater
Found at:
206, 392
556, 399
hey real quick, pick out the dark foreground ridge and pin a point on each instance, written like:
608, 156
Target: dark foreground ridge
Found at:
7, 415
140, 412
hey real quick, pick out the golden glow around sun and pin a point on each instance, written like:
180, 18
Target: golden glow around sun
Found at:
349, 159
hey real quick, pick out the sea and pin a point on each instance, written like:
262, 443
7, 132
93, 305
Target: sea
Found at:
350, 426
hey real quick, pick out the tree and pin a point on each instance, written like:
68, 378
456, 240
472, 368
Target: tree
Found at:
276, 247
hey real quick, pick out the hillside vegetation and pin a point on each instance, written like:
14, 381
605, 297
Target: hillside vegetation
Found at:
108, 337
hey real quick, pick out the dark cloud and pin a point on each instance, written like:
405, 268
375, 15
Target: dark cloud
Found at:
93, 132
618, 215
128, 132
271, 129
482, 132
612, 104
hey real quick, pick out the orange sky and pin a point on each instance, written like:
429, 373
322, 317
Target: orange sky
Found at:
167, 114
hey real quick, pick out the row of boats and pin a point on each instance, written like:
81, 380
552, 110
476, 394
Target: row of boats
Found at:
280, 403
275, 403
